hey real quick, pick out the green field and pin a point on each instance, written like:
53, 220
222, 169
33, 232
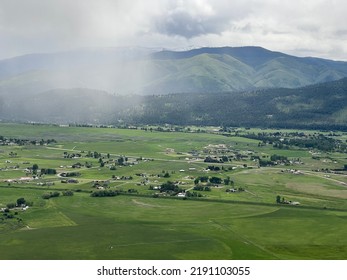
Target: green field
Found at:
142, 223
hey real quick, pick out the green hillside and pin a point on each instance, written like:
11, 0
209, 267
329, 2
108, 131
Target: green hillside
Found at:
317, 106
321, 106
227, 86
230, 69
202, 73
202, 70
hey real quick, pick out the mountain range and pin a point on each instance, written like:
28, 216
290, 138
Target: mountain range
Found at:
144, 71
215, 86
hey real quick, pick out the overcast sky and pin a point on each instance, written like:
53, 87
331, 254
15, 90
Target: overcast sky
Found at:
303, 28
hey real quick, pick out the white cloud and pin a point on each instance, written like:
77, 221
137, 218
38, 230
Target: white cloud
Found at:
315, 26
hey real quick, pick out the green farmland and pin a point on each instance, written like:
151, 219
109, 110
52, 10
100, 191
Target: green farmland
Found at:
195, 193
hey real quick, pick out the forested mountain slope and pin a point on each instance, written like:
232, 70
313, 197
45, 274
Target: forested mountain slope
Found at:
317, 106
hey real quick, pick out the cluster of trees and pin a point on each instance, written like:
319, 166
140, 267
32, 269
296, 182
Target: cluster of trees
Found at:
202, 188
170, 187
173, 189
282, 200
132, 191
282, 140
50, 195
77, 165
94, 154
120, 161
22, 142
67, 193
103, 184
193, 194
213, 168
164, 174
8, 215
48, 171
12, 154
278, 158
213, 180
221, 159
70, 174
19, 203
73, 155
104, 193
43, 171
212, 159
320, 142
274, 160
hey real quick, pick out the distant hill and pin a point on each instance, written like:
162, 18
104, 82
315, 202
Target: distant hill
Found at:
252, 56
145, 72
316, 106
209, 86
322, 106
241, 68
78, 105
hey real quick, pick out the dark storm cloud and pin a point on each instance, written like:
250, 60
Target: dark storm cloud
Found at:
183, 23
194, 18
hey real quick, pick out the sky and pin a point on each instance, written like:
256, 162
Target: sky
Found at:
299, 27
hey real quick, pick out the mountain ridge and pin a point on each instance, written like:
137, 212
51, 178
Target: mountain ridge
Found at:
146, 72
319, 106
207, 86
251, 55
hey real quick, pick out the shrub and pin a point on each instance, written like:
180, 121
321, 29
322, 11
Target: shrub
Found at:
10, 205
49, 195
68, 193
46, 196
104, 193
55, 194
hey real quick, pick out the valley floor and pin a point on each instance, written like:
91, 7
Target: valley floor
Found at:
107, 193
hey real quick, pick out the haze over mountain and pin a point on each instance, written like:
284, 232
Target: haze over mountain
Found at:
108, 85
144, 71
321, 106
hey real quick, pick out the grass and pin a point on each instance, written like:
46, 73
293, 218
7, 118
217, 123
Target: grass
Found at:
140, 227
174, 229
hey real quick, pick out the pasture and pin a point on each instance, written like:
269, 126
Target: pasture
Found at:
143, 223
